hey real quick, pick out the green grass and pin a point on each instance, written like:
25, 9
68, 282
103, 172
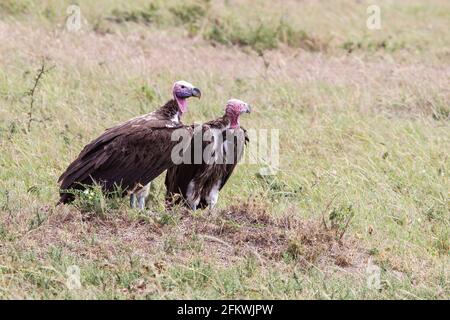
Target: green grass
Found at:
364, 130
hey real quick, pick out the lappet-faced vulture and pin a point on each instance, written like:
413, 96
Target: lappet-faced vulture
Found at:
131, 154
215, 149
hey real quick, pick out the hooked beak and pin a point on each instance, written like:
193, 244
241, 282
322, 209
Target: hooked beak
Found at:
248, 109
196, 93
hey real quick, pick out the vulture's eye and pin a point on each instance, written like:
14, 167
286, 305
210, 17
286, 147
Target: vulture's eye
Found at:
183, 87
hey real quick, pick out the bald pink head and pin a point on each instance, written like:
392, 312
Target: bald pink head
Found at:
234, 109
182, 90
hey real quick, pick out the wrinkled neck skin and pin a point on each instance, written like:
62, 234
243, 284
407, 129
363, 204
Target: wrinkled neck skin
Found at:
182, 104
233, 120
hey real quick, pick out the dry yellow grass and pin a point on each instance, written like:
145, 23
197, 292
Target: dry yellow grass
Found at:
364, 132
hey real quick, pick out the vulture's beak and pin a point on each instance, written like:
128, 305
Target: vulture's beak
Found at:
196, 93
248, 109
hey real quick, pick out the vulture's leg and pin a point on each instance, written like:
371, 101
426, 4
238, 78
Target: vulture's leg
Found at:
132, 201
190, 195
141, 203
142, 196
213, 195
193, 203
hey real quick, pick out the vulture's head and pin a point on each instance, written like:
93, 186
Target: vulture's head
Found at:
182, 90
234, 109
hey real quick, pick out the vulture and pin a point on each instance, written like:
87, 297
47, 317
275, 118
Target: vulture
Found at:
130, 155
214, 150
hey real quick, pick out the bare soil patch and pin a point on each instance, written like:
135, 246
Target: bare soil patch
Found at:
226, 235
249, 228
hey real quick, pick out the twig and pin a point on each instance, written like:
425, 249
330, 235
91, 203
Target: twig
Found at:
214, 239
325, 210
256, 254
345, 227
265, 62
32, 91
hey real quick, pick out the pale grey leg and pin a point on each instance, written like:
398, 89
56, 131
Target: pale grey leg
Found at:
213, 196
142, 196
132, 201
141, 202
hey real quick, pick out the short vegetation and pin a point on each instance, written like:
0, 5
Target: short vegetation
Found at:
362, 186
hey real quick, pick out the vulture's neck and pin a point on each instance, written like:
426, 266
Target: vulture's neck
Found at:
169, 111
232, 120
225, 122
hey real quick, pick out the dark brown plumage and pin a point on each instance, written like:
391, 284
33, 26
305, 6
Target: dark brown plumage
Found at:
128, 155
197, 185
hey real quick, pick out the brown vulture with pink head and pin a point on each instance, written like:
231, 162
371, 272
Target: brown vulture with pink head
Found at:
215, 149
131, 154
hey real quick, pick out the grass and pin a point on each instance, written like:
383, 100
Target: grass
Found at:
364, 130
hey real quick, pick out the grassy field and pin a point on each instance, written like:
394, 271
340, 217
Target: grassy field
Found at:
363, 187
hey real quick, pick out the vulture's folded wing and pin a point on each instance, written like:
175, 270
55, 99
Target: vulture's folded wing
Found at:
134, 152
179, 176
240, 139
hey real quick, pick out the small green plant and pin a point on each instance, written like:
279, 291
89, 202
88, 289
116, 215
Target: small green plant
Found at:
188, 13
55, 253
442, 242
167, 218
14, 7
217, 34
144, 16
367, 44
93, 200
5, 201
441, 112
250, 265
170, 243
437, 212
196, 274
294, 250
261, 37
299, 38
50, 13
277, 188
340, 218
147, 93
37, 220
127, 278
191, 16
3, 232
